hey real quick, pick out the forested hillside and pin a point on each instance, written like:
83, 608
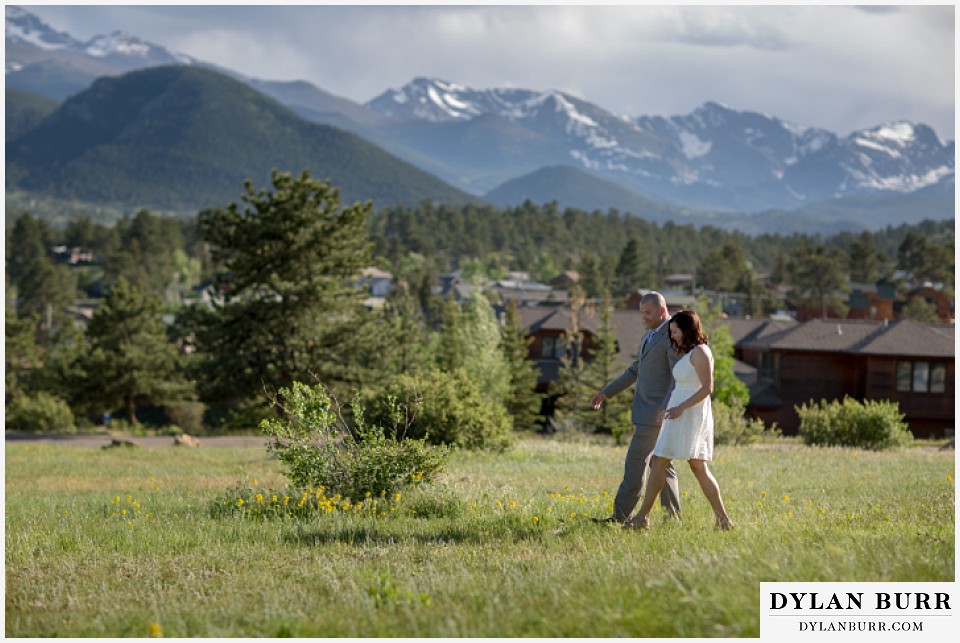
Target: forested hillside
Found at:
182, 138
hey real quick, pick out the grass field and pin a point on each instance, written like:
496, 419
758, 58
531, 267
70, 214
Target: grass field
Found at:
502, 546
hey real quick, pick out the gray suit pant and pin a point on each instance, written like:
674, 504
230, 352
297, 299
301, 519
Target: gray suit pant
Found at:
635, 470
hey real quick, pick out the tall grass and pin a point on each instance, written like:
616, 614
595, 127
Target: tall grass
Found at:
503, 546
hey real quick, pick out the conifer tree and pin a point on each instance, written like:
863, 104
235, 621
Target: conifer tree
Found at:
524, 402
613, 417
131, 359
288, 262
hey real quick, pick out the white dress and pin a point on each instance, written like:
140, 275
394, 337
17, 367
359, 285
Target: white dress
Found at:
690, 436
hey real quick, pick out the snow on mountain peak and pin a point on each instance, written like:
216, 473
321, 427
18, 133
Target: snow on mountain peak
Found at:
26, 27
117, 42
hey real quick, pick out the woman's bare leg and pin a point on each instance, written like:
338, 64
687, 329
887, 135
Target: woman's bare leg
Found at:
658, 476
712, 491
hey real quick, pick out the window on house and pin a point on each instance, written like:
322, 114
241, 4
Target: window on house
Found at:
552, 348
938, 378
766, 364
921, 377
904, 375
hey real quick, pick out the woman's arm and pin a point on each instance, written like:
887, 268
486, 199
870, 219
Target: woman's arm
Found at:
701, 363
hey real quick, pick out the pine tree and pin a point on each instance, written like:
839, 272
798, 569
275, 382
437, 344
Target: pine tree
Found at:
405, 344
288, 262
863, 260
131, 359
614, 415
630, 273
524, 402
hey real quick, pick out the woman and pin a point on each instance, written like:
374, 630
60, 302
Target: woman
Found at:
687, 432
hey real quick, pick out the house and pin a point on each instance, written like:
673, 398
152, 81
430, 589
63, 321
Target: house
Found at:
786, 363
527, 293
903, 361
936, 298
685, 282
565, 280
549, 325
379, 281
871, 301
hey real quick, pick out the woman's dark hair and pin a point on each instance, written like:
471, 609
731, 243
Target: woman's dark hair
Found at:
689, 324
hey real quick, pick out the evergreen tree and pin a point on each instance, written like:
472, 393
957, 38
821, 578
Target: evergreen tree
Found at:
43, 290
819, 279
27, 241
524, 402
450, 353
288, 262
631, 272
863, 260
405, 344
600, 369
591, 276
131, 359
570, 395
920, 310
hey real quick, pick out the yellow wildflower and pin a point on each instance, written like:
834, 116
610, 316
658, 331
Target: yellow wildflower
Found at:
239, 502
156, 631
259, 498
786, 498
513, 505
536, 519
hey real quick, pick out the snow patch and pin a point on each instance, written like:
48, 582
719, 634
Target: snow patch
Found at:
900, 133
865, 142
117, 43
693, 147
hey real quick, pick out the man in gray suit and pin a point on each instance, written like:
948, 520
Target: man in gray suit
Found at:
653, 374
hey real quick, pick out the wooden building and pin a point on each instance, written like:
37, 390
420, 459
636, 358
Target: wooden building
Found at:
903, 361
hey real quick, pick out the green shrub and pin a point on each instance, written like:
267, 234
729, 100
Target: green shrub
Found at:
731, 426
874, 425
320, 449
187, 415
445, 408
41, 413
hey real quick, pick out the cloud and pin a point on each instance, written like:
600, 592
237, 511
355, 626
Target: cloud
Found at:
837, 67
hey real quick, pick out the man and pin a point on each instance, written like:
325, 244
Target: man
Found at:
653, 374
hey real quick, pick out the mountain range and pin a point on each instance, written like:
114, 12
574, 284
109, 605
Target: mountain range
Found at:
717, 164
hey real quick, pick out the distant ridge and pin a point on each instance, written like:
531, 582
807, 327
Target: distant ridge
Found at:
179, 138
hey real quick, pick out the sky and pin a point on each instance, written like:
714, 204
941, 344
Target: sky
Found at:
841, 68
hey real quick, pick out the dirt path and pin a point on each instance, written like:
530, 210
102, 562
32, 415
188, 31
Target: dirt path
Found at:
151, 442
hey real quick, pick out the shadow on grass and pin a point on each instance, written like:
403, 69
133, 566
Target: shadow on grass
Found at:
433, 532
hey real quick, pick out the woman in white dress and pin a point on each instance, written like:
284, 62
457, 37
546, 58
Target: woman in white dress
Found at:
687, 431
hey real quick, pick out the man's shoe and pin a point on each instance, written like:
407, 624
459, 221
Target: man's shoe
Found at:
607, 520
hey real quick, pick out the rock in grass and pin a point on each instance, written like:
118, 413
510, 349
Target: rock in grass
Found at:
184, 440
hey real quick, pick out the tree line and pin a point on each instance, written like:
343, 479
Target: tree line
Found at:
281, 270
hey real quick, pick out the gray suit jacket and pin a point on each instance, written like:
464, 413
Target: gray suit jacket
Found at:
653, 373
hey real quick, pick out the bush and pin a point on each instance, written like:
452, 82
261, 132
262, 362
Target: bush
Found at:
187, 415
874, 425
320, 449
731, 426
40, 412
445, 408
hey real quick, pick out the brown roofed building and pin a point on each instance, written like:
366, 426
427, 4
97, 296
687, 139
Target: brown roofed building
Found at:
904, 361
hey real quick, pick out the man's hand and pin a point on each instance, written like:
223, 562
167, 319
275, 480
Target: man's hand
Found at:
598, 400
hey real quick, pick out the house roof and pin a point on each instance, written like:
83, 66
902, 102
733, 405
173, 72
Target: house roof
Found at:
746, 332
857, 336
627, 325
913, 338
